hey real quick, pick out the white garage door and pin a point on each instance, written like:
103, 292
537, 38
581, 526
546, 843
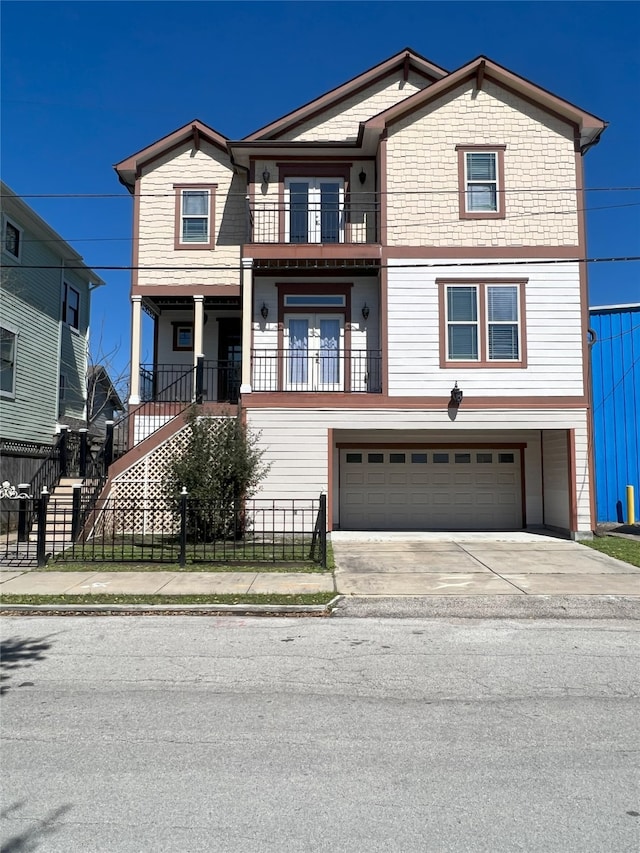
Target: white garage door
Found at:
416, 489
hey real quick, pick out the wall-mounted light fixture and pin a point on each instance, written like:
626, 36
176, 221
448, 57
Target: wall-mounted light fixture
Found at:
365, 311
456, 395
264, 310
362, 176
266, 175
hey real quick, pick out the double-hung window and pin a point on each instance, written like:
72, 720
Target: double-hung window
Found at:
194, 217
483, 324
12, 239
481, 176
8, 341
71, 306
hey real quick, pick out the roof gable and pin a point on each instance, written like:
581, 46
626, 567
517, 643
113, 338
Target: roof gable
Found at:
407, 60
195, 130
589, 126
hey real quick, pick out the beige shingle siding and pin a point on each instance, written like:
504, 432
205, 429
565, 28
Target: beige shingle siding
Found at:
342, 121
422, 179
209, 165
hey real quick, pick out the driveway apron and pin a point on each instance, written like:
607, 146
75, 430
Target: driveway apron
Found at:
515, 563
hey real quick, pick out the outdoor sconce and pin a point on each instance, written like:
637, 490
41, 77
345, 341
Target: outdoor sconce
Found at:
365, 311
362, 176
456, 395
266, 175
264, 311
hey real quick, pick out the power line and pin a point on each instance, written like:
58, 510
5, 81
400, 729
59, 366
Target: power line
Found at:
346, 267
358, 194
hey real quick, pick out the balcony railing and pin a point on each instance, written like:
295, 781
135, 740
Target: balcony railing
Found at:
355, 371
174, 383
355, 221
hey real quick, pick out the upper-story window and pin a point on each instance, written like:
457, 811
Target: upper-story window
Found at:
12, 239
481, 182
8, 341
71, 306
314, 210
194, 216
482, 324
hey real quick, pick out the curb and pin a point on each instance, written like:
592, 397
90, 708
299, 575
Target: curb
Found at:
170, 609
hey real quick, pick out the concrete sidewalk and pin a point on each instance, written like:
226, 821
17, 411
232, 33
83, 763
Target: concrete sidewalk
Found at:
164, 583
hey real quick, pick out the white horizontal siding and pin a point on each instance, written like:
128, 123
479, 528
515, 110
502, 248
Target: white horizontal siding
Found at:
553, 322
295, 442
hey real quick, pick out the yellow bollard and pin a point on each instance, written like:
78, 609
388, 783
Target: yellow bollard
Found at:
631, 507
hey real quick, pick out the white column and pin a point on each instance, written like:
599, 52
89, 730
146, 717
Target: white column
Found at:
198, 327
136, 346
247, 323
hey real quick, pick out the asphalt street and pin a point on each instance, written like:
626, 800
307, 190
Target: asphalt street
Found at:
344, 734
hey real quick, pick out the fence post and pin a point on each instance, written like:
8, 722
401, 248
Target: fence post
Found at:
75, 511
199, 379
323, 531
108, 446
62, 448
23, 535
83, 451
42, 528
183, 528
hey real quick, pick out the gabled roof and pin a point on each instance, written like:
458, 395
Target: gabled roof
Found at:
482, 68
407, 59
196, 130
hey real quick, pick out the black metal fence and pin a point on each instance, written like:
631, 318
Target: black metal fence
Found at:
185, 531
353, 220
219, 382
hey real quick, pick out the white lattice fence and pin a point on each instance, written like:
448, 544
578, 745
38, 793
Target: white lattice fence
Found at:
139, 490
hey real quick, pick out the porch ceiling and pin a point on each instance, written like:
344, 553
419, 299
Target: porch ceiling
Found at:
157, 304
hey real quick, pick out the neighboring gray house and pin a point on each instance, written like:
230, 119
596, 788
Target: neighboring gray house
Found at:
44, 327
103, 401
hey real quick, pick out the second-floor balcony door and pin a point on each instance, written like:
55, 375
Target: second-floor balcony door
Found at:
314, 352
314, 210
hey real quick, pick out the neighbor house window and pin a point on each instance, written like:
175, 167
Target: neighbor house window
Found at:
481, 324
481, 182
194, 217
62, 387
8, 340
71, 306
12, 239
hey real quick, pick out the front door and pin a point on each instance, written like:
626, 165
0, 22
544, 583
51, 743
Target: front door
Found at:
313, 352
229, 359
314, 210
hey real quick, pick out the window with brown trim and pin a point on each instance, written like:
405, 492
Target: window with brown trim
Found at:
182, 337
481, 181
482, 324
194, 225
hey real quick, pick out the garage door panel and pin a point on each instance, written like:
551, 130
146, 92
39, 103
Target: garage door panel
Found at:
439, 489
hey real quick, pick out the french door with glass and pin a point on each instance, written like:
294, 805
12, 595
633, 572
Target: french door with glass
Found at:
314, 210
314, 352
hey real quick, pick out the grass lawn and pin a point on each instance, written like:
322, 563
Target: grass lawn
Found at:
622, 549
305, 598
284, 568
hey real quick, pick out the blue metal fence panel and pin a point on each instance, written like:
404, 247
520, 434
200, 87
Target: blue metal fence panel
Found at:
615, 369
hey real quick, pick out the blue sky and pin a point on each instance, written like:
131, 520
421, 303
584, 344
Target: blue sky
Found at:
84, 84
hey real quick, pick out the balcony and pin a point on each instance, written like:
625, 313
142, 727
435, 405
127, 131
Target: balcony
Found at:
176, 383
353, 221
299, 371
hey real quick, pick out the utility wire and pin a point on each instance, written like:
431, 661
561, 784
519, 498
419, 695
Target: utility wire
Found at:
347, 267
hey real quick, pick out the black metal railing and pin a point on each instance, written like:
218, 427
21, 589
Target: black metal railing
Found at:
299, 370
220, 382
356, 220
187, 531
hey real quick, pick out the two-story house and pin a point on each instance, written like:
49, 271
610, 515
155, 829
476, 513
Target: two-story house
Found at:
390, 282
44, 323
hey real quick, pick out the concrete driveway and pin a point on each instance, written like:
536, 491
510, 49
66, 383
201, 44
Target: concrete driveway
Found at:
516, 563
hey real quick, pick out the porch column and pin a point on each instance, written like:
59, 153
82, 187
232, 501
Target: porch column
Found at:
198, 328
247, 323
136, 345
